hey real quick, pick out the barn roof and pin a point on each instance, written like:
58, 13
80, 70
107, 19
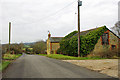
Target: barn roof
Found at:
58, 39
87, 31
84, 32
115, 34
55, 39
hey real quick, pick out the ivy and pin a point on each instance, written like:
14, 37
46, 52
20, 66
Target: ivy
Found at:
70, 35
69, 44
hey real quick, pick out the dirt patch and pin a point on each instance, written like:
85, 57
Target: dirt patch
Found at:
105, 66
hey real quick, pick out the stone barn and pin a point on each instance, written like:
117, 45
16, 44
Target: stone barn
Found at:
108, 41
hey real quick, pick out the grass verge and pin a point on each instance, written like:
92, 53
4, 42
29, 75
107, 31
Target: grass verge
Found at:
42, 54
8, 57
4, 65
11, 56
64, 57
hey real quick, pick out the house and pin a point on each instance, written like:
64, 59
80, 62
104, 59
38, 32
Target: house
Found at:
53, 44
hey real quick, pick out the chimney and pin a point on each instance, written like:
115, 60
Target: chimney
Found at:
49, 35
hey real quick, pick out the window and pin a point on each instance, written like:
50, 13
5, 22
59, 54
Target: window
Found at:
105, 39
113, 47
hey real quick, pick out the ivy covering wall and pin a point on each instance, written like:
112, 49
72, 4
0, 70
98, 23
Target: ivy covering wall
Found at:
69, 44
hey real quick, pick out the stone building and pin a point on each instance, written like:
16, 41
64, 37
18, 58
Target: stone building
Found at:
108, 41
53, 44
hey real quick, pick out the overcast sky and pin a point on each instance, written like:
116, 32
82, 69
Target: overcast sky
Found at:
119, 11
31, 19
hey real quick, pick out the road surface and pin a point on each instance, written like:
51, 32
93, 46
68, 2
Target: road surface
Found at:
35, 66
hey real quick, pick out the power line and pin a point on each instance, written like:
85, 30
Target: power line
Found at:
51, 15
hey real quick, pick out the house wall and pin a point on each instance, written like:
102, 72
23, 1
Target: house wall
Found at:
55, 47
52, 47
113, 40
48, 47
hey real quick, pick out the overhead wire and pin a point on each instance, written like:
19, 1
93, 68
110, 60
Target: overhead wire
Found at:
51, 15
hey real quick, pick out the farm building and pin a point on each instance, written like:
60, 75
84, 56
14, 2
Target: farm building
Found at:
107, 41
53, 44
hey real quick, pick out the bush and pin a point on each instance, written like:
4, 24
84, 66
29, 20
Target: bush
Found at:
65, 47
109, 54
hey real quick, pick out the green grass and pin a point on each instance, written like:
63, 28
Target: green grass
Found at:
4, 64
11, 56
42, 54
64, 57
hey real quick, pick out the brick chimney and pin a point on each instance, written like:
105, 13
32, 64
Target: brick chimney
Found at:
49, 35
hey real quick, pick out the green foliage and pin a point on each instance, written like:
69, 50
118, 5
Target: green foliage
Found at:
65, 57
11, 56
39, 47
70, 35
4, 64
65, 46
14, 48
28, 50
42, 54
69, 45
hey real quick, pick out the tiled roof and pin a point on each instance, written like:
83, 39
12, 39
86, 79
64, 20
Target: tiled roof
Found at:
85, 32
55, 39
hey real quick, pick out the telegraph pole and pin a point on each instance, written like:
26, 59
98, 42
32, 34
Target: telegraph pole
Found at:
79, 4
9, 34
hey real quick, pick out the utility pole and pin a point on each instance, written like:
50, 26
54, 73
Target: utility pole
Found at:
79, 4
9, 35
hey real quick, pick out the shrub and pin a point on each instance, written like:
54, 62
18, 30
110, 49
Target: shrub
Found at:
109, 54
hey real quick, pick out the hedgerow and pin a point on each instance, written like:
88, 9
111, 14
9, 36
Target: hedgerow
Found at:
69, 44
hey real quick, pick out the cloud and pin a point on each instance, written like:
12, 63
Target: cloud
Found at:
31, 19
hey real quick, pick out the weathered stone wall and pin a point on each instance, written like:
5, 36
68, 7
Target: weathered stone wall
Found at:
113, 40
55, 46
48, 46
52, 47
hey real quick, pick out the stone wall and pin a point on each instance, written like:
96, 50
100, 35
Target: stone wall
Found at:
55, 47
113, 40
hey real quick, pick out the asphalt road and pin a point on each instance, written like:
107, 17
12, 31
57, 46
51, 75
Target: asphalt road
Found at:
34, 66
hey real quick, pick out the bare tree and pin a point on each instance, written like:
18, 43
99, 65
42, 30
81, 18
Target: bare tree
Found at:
116, 28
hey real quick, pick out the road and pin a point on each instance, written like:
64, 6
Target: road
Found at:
35, 66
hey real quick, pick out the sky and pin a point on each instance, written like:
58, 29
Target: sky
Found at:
119, 11
32, 19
